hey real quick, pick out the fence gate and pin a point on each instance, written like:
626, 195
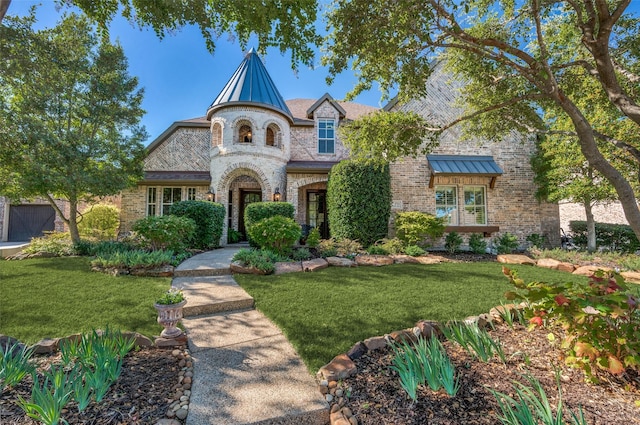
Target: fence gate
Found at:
28, 221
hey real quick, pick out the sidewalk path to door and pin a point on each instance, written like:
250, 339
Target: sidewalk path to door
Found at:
245, 370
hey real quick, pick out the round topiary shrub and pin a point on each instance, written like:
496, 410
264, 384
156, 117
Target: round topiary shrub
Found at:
276, 233
359, 201
209, 219
100, 221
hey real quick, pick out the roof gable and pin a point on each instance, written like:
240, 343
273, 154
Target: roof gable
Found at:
326, 97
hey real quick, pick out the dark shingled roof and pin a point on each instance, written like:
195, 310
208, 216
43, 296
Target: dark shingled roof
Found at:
251, 84
164, 177
310, 167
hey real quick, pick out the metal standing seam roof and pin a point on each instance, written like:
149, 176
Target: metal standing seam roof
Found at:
464, 164
251, 83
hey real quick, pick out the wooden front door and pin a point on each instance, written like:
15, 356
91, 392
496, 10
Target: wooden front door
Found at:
247, 197
317, 212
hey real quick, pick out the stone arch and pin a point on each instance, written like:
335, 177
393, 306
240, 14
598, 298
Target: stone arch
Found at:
294, 186
240, 169
244, 128
273, 135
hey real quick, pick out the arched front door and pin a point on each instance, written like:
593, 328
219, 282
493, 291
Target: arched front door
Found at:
247, 197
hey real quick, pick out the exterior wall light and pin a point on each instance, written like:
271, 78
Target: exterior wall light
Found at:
276, 195
211, 195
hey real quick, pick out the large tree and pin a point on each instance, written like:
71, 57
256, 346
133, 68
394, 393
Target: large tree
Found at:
69, 115
519, 58
285, 24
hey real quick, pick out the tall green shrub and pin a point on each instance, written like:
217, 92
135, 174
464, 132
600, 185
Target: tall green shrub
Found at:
100, 221
258, 211
209, 219
359, 201
616, 237
276, 233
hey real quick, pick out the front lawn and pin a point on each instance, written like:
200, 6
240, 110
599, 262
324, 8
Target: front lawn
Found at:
55, 297
324, 313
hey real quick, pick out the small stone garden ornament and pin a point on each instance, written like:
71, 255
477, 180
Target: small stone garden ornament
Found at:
169, 307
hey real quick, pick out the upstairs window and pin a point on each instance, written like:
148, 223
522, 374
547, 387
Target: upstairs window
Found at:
244, 134
326, 135
271, 137
216, 134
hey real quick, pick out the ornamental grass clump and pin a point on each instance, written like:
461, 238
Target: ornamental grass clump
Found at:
601, 320
474, 340
49, 399
14, 364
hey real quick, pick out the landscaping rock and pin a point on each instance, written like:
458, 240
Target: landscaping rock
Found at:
631, 277
404, 259
45, 346
8, 341
171, 342
288, 267
566, 267
589, 270
430, 259
140, 340
340, 262
237, 267
428, 328
357, 351
548, 263
405, 335
375, 343
497, 312
515, 259
340, 367
315, 264
374, 260
168, 422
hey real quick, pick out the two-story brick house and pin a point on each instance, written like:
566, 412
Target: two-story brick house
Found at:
253, 146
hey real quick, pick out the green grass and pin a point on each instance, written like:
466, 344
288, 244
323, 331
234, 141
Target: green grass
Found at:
55, 297
324, 313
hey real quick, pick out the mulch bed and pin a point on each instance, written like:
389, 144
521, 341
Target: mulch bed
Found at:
141, 395
376, 396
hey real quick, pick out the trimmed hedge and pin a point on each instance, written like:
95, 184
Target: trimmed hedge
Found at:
168, 232
359, 201
275, 233
616, 237
257, 211
209, 219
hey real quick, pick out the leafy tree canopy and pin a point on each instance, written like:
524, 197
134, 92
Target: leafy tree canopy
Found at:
69, 114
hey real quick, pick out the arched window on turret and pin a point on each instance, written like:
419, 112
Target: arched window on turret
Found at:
216, 134
273, 135
244, 133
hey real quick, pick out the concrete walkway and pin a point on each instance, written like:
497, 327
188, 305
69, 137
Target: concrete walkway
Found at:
245, 370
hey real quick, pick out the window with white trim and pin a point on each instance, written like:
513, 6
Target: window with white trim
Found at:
151, 200
447, 204
474, 205
326, 135
170, 195
191, 194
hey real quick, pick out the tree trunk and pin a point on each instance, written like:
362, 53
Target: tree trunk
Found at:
590, 151
73, 221
4, 5
591, 227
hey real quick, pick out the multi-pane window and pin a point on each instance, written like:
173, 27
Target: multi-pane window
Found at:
191, 194
475, 206
447, 204
326, 135
151, 201
170, 195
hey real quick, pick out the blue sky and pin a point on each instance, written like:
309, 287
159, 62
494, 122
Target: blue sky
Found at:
181, 78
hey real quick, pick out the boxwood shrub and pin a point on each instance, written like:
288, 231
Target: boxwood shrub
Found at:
359, 201
166, 232
277, 234
616, 237
209, 219
257, 211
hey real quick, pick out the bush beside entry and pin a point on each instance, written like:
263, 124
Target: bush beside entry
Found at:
276, 233
209, 219
260, 210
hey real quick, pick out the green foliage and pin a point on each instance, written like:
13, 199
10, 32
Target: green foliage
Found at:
55, 243
275, 233
133, 259
172, 296
48, 399
615, 237
100, 221
313, 238
531, 406
209, 219
537, 240
165, 232
505, 243
91, 249
424, 363
257, 211
377, 250
14, 364
414, 251
413, 227
327, 248
67, 74
359, 201
601, 319
476, 341
477, 244
233, 236
452, 242
368, 137
392, 246
261, 259
347, 247
301, 254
